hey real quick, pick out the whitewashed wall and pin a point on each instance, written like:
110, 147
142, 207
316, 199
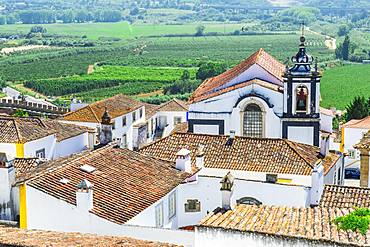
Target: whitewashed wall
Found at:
9, 149
352, 136
7, 177
72, 145
207, 191
213, 237
45, 212
222, 108
301, 134
48, 142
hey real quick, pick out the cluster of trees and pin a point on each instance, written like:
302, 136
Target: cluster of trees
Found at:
182, 86
65, 16
350, 51
359, 108
210, 69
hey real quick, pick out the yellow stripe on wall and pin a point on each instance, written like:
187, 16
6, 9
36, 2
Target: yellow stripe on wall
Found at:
341, 148
22, 206
19, 150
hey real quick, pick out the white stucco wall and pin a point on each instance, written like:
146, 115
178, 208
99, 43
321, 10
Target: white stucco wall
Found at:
207, 191
45, 212
326, 123
48, 143
301, 134
72, 145
213, 237
9, 149
352, 136
7, 177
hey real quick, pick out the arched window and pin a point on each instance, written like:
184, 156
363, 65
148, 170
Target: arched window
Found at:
248, 201
301, 99
253, 121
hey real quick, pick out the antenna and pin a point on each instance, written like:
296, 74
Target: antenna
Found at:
302, 28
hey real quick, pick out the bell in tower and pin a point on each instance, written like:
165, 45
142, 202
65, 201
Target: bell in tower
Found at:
301, 118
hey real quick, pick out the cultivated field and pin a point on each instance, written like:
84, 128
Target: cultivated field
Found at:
340, 85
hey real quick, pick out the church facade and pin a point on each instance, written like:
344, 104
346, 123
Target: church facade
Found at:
262, 98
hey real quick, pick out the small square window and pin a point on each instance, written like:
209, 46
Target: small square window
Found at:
40, 153
177, 120
124, 121
192, 205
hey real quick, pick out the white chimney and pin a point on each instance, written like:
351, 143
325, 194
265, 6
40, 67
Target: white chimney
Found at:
232, 134
183, 161
84, 195
324, 145
199, 159
317, 184
227, 188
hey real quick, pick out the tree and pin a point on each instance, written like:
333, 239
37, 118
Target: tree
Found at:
20, 113
2, 20
185, 75
11, 19
343, 30
210, 69
38, 29
200, 30
346, 47
358, 108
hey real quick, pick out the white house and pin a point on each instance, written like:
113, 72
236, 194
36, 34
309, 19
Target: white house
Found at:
31, 137
275, 226
162, 119
108, 191
262, 225
127, 116
364, 148
352, 132
266, 171
261, 97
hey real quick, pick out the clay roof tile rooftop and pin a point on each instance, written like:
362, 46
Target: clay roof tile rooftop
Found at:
11, 236
212, 85
310, 224
345, 197
116, 106
247, 154
125, 182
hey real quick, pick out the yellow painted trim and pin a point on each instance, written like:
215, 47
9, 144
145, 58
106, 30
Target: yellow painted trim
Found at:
284, 180
19, 150
341, 148
22, 206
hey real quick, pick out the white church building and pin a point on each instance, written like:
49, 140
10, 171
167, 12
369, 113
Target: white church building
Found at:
261, 97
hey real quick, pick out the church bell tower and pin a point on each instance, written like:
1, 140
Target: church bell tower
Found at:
301, 118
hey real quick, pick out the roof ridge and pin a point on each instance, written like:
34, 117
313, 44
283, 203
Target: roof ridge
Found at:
93, 112
289, 143
347, 186
20, 137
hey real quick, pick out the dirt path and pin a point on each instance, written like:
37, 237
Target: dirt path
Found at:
330, 42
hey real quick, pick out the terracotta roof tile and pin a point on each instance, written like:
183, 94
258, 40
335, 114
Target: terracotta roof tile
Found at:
150, 110
11, 236
312, 224
22, 129
262, 58
358, 123
365, 142
345, 197
25, 129
125, 182
173, 105
24, 166
116, 106
248, 154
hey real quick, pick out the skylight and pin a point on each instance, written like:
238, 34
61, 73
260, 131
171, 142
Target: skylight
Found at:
87, 168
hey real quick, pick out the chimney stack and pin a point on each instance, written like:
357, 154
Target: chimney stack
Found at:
84, 195
183, 161
199, 159
106, 129
227, 188
317, 184
324, 146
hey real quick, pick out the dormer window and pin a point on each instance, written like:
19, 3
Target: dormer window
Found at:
301, 99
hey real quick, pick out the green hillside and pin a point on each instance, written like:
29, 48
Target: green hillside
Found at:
342, 84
